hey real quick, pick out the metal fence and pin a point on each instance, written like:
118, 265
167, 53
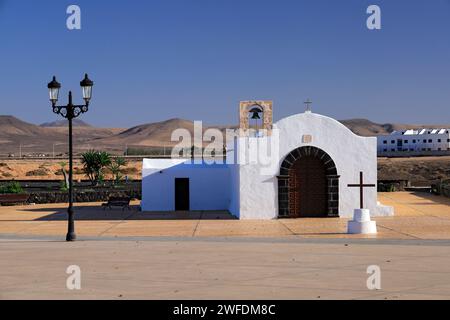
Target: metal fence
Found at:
59, 151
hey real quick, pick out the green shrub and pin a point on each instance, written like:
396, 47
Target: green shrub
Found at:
13, 187
63, 186
392, 188
94, 162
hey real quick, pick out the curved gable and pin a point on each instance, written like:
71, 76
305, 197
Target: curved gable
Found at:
308, 119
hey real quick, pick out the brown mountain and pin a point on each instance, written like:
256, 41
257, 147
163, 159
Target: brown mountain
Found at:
11, 126
151, 134
63, 123
364, 127
19, 136
37, 139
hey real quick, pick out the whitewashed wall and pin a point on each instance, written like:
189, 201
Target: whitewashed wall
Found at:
250, 190
351, 154
209, 185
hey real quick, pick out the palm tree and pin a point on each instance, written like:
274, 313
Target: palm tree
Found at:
93, 164
115, 168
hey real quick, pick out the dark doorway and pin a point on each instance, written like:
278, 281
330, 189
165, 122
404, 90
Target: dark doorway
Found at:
308, 184
308, 187
182, 194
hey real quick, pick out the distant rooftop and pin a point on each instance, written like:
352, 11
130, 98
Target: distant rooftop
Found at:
411, 132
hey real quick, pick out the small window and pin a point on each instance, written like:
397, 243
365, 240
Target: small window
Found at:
406, 141
385, 142
392, 149
384, 150
430, 141
392, 141
448, 140
439, 149
429, 149
424, 141
439, 140
414, 141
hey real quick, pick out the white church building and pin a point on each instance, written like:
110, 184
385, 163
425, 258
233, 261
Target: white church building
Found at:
300, 166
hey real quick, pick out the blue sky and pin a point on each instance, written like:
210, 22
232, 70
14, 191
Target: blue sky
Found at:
195, 59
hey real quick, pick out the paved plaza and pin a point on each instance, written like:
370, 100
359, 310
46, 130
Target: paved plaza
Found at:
418, 216
210, 255
214, 268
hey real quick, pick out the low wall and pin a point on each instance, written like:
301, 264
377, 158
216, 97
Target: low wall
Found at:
402, 154
442, 188
42, 197
445, 190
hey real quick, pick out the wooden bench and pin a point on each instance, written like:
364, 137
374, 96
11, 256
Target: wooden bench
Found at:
11, 199
123, 202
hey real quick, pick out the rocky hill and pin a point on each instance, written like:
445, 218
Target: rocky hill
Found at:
15, 132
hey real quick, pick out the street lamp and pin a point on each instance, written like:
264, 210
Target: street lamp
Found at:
70, 112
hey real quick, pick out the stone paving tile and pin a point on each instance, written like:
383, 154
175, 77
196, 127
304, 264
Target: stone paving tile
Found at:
83, 228
12, 227
420, 216
417, 204
312, 226
250, 228
426, 227
206, 269
154, 228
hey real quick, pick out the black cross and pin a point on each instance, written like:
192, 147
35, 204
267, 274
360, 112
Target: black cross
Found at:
308, 104
361, 187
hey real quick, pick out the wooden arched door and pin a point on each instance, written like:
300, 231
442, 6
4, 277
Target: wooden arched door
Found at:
308, 184
308, 188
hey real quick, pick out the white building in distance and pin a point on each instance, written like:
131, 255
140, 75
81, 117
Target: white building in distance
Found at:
415, 142
307, 172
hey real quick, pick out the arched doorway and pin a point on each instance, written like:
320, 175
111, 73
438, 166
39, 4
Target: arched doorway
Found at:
308, 185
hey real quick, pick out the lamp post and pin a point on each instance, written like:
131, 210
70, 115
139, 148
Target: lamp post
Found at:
70, 112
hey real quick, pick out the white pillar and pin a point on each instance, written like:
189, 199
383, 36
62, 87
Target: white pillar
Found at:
361, 223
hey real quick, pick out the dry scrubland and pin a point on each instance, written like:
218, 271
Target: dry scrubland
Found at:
51, 170
417, 170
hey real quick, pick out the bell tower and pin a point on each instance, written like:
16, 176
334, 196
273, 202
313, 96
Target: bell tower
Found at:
258, 110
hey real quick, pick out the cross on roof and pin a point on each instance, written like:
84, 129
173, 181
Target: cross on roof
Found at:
308, 104
361, 187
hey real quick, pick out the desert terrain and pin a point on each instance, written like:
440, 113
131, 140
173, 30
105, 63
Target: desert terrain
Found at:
20, 140
419, 170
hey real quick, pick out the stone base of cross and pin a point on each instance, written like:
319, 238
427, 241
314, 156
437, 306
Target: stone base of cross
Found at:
361, 223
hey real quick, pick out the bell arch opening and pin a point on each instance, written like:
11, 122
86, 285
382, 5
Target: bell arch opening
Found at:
308, 185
